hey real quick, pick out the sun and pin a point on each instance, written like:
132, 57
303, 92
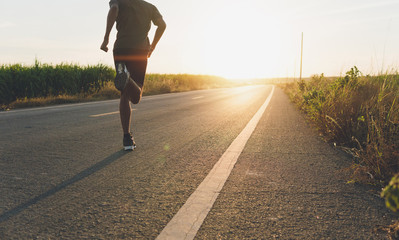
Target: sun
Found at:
241, 42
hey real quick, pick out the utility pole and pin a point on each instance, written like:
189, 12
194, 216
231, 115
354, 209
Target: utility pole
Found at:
300, 75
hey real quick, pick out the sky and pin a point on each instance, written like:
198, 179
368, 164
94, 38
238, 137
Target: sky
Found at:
230, 38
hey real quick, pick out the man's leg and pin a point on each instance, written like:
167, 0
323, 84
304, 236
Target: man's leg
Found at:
125, 112
136, 64
131, 93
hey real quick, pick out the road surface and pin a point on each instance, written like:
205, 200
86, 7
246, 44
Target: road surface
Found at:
64, 174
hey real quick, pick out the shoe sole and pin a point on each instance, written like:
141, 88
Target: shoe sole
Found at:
129, 148
121, 80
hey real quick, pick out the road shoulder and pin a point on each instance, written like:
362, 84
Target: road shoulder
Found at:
289, 184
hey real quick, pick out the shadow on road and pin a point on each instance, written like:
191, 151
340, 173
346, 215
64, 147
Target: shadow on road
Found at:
80, 176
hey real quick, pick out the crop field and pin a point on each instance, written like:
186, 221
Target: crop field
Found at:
42, 80
44, 84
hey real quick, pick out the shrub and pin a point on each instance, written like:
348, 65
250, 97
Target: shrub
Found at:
391, 194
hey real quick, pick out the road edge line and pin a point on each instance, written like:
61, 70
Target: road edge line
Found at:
188, 220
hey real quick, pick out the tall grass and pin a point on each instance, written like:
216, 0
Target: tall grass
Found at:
168, 83
43, 84
43, 80
360, 113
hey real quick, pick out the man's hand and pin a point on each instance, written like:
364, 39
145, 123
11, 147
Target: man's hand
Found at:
104, 45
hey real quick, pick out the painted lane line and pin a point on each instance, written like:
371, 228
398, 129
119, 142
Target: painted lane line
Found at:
187, 221
57, 107
107, 114
197, 97
104, 114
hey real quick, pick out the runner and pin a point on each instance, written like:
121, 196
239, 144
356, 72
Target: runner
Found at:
131, 49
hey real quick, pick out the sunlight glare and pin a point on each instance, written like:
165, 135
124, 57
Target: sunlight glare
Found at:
244, 42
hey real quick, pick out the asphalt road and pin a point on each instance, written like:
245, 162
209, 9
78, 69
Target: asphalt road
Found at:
64, 175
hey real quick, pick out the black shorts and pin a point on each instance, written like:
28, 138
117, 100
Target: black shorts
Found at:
136, 62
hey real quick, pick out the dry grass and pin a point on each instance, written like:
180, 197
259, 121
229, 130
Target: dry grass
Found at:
358, 113
361, 115
168, 83
107, 92
154, 84
391, 230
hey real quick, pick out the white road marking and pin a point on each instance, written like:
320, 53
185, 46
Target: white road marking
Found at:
197, 97
107, 114
187, 221
104, 114
56, 107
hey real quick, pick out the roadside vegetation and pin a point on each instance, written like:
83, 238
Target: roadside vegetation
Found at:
360, 114
44, 84
169, 83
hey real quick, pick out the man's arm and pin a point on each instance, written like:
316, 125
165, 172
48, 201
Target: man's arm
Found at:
161, 26
112, 15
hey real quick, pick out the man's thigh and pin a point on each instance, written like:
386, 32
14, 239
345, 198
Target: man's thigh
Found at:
136, 63
137, 69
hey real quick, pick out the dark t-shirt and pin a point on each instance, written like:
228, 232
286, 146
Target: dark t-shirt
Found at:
133, 23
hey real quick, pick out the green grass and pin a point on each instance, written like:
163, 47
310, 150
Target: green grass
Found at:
18, 82
359, 113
